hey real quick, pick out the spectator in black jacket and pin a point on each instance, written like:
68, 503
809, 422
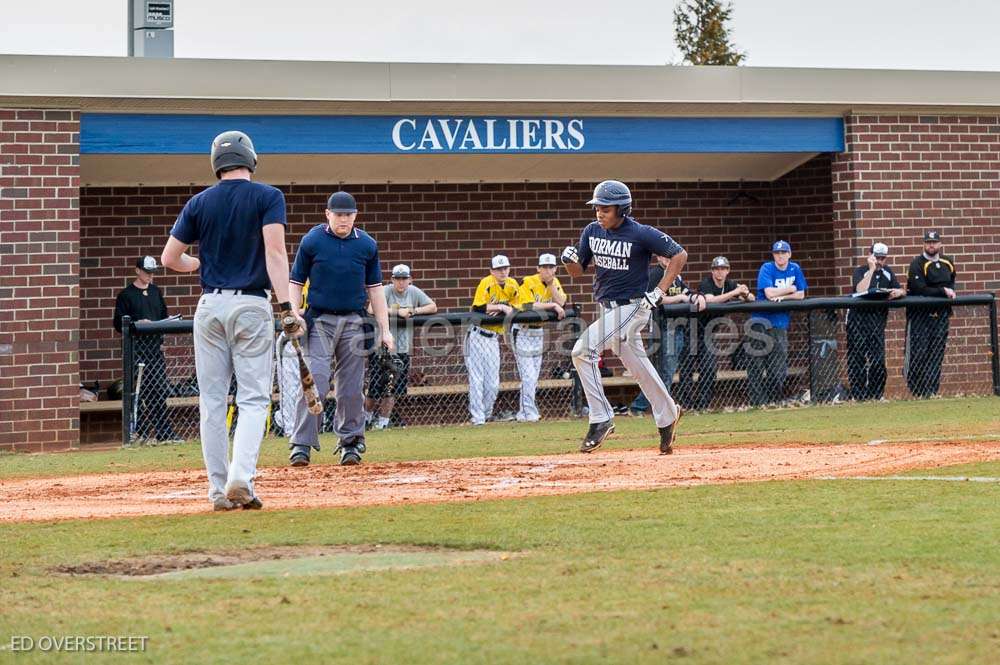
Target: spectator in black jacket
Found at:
143, 301
932, 274
866, 327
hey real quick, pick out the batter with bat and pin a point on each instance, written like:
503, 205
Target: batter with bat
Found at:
342, 265
621, 249
239, 226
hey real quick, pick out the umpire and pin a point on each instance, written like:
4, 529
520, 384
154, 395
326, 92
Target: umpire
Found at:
932, 274
341, 263
866, 326
143, 301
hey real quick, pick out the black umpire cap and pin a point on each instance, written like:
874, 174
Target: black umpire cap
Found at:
341, 202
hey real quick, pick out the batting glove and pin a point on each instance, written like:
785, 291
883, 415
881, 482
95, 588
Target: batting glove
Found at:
290, 324
651, 299
570, 255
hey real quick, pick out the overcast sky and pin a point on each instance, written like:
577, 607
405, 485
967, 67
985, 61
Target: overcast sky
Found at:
882, 34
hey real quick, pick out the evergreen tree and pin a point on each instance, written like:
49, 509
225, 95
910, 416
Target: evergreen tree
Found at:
702, 35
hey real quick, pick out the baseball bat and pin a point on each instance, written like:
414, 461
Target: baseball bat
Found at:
309, 391
140, 367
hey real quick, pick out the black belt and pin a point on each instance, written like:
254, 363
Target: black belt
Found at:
318, 311
484, 333
611, 304
260, 293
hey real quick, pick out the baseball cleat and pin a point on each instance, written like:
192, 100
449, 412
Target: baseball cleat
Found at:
253, 504
299, 456
221, 503
668, 434
239, 493
350, 452
596, 435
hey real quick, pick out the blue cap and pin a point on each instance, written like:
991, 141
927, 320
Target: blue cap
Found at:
781, 246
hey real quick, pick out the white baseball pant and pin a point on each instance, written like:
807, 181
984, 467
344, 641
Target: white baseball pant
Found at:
619, 329
528, 345
482, 361
232, 333
289, 385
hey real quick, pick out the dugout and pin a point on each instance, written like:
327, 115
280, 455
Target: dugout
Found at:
452, 163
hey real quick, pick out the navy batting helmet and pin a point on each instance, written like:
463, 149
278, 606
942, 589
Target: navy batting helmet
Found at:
341, 202
612, 193
233, 149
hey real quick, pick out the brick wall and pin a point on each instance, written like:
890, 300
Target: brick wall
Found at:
447, 233
902, 175
39, 270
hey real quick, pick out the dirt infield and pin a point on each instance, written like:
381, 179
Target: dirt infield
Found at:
176, 492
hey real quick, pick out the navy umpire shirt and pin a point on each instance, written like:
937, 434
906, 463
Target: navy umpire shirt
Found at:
226, 221
339, 270
621, 257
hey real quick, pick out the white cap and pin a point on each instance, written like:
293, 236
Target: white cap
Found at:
500, 261
547, 260
401, 270
880, 249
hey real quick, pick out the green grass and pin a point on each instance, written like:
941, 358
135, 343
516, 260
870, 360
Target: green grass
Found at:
843, 423
791, 572
778, 572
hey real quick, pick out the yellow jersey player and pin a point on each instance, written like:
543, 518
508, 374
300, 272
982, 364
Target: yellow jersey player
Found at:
541, 291
496, 295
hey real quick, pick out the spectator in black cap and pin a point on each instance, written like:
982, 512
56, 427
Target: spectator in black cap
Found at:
717, 288
143, 301
932, 274
866, 327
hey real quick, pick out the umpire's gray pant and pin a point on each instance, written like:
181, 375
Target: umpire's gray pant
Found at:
341, 339
232, 333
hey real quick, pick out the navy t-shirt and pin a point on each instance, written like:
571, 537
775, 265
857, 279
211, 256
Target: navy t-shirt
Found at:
339, 270
227, 220
621, 257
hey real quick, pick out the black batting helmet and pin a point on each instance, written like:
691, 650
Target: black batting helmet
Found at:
612, 193
233, 149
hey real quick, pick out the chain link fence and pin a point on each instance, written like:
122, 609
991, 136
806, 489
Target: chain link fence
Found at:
461, 370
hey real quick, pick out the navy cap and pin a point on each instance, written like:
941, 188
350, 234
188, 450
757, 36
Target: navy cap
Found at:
781, 246
932, 236
341, 202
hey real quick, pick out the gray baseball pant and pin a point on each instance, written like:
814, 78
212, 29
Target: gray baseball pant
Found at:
337, 338
619, 329
232, 333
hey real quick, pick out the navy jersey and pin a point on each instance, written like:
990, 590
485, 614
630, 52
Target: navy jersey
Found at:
339, 270
621, 257
226, 220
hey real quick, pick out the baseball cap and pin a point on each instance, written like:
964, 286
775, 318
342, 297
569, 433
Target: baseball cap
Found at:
401, 270
547, 260
880, 249
932, 236
500, 261
720, 262
341, 202
147, 263
781, 246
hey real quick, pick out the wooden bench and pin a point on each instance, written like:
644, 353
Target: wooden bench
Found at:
454, 388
